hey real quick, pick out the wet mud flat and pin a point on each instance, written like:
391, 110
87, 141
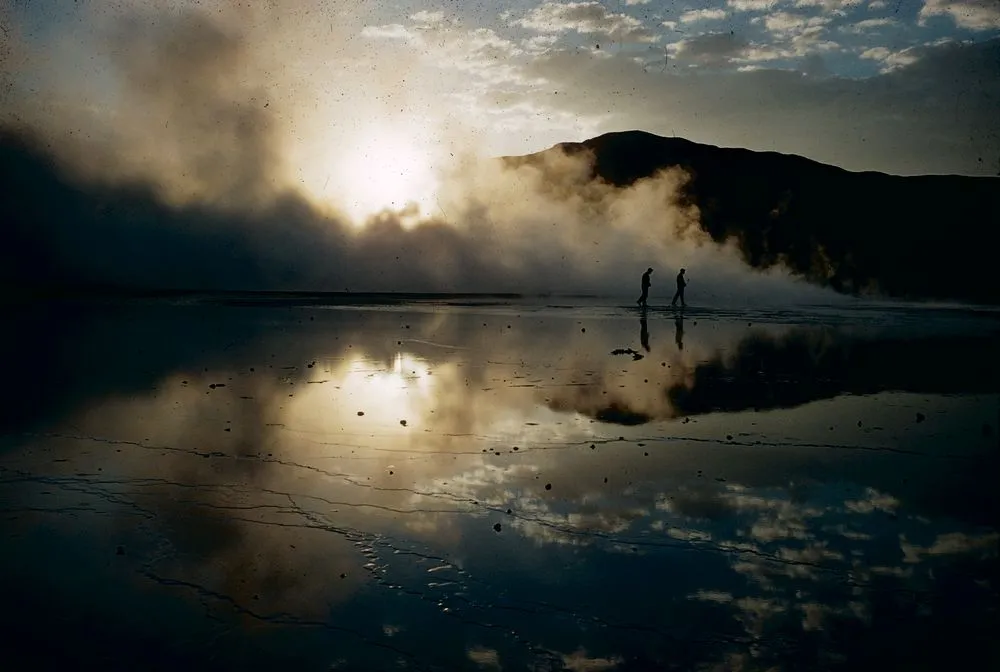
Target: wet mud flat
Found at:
484, 485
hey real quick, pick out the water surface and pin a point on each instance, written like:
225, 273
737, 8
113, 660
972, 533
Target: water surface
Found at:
480, 483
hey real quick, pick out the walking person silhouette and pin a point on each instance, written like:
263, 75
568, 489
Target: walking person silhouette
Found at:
645, 288
679, 294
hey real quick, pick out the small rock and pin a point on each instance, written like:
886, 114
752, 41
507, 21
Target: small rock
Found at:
548, 486
859, 423
729, 437
583, 330
605, 479
497, 527
360, 413
515, 448
645, 454
509, 512
921, 417
343, 575
228, 429
390, 472
593, 447
120, 550
403, 423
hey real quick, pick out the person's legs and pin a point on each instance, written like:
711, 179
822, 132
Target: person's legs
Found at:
673, 301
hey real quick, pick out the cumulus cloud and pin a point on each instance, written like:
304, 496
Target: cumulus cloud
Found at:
970, 14
693, 15
711, 48
751, 5
892, 60
870, 25
834, 6
785, 22
587, 18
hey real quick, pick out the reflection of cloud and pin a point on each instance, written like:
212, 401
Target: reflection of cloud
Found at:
579, 661
485, 658
698, 504
952, 543
874, 501
712, 596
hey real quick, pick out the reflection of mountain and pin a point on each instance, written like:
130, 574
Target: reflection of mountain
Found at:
765, 372
908, 236
805, 365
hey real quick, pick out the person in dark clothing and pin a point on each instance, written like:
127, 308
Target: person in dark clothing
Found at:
645, 288
679, 294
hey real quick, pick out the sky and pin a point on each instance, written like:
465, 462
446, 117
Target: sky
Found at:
364, 107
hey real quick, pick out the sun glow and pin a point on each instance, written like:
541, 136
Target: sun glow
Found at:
382, 169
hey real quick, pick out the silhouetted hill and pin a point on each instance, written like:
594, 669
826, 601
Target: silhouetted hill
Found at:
925, 237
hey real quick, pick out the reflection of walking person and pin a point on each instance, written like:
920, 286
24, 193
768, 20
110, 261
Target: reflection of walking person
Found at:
644, 332
645, 288
679, 330
679, 294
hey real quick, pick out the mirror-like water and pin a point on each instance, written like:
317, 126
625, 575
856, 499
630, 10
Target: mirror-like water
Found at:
485, 485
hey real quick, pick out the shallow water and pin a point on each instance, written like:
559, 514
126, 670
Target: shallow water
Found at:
221, 482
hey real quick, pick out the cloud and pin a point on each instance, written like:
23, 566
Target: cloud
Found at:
869, 25
892, 60
786, 23
587, 18
969, 14
833, 6
797, 36
752, 5
693, 15
711, 48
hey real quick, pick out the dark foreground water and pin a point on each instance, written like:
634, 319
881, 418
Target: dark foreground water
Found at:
245, 484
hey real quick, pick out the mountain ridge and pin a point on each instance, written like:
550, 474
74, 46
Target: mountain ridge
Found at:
909, 237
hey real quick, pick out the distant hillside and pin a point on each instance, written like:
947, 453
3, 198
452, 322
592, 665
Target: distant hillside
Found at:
926, 237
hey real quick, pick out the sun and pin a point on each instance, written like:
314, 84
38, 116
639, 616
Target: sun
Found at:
381, 169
